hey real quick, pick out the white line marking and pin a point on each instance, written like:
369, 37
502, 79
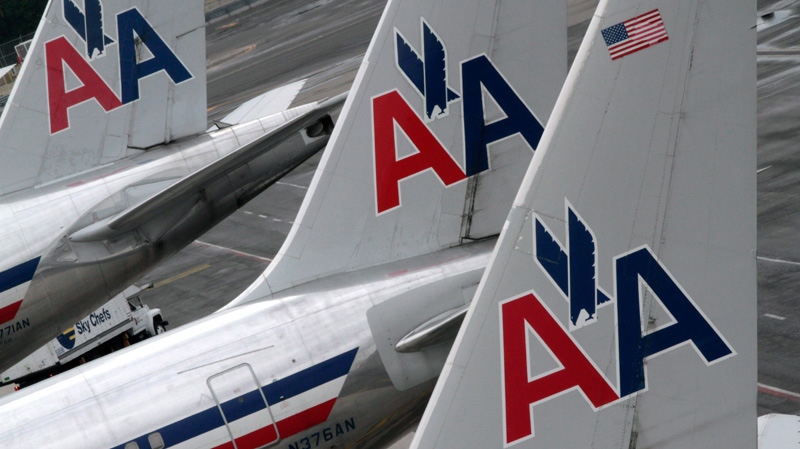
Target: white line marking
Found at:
248, 212
292, 185
768, 259
774, 391
262, 216
277, 219
230, 250
775, 317
763, 169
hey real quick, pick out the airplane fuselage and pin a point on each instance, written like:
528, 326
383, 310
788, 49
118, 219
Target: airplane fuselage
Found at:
48, 279
298, 370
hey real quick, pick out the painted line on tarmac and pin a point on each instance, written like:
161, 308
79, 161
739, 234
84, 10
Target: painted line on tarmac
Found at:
182, 275
787, 262
233, 251
292, 185
778, 392
775, 317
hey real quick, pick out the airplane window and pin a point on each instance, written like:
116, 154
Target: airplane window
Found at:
132, 445
156, 442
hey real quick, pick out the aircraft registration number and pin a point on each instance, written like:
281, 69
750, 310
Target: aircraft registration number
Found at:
326, 434
9, 330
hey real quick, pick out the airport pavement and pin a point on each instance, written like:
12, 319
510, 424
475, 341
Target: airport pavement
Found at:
283, 40
778, 207
248, 53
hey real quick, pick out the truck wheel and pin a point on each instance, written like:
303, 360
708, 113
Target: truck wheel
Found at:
160, 329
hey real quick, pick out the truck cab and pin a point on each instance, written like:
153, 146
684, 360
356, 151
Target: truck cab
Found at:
147, 322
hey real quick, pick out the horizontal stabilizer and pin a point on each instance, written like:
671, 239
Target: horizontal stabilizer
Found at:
438, 329
243, 173
778, 431
269, 103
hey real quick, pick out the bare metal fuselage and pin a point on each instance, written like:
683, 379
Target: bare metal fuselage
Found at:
163, 384
74, 277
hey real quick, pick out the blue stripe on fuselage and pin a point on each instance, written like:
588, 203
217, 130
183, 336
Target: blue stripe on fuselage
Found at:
243, 405
210, 419
309, 378
18, 275
183, 430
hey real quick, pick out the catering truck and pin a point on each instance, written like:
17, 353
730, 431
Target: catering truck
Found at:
118, 323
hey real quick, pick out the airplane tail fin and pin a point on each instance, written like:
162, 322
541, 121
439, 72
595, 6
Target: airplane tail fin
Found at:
619, 306
434, 138
102, 79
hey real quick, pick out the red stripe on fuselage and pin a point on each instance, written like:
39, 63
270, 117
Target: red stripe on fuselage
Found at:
9, 312
259, 438
287, 427
253, 440
305, 419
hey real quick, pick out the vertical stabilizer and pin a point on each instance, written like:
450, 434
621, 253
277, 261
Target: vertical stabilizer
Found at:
441, 122
102, 78
619, 308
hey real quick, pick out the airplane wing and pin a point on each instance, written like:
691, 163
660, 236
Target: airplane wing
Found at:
243, 174
619, 306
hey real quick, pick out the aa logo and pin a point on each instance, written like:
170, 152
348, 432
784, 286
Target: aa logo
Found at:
132, 29
425, 69
572, 267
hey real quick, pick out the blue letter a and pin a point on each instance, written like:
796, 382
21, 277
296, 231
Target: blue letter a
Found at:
690, 325
130, 24
478, 135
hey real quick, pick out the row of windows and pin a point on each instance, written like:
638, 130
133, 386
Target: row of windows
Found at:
155, 440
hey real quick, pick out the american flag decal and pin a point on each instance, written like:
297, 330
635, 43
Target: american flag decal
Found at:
635, 34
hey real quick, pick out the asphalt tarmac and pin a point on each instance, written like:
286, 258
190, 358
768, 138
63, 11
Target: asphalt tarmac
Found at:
778, 207
281, 41
248, 53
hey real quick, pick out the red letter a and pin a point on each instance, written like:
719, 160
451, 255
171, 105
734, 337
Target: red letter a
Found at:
391, 108
58, 53
517, 316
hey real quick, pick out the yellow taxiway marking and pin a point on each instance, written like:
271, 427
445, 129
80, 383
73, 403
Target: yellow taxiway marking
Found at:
233, 251
182, 275
228, 25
